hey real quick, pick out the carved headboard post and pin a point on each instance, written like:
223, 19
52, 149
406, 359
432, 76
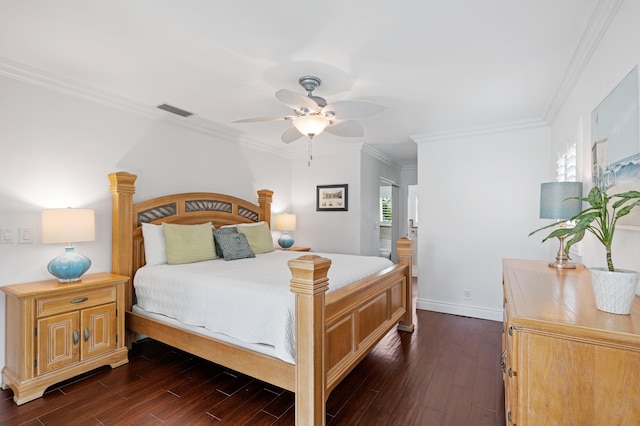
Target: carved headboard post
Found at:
122, 188
264, 201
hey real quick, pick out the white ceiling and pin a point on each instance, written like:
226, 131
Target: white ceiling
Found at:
438, 65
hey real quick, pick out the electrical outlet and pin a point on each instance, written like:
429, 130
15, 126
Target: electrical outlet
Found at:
467, 294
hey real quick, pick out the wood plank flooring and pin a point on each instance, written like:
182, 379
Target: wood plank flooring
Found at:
445, 373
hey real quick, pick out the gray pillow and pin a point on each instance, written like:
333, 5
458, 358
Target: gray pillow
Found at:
234, 246
217, 233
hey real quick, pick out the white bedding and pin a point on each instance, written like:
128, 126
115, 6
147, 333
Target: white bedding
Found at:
247, 299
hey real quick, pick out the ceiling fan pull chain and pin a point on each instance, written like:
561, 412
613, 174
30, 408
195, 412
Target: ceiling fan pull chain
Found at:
309, 155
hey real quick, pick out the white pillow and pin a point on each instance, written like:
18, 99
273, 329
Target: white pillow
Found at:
154, 247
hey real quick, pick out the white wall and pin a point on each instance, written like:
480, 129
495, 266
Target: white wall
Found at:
479, 199
58, 149
333, 231
615, 56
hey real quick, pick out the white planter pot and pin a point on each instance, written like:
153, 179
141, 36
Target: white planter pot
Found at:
614, 291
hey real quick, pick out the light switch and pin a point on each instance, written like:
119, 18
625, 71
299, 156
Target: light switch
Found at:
6, 236
25, 235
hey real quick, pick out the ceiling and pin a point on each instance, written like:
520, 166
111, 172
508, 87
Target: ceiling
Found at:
437, 65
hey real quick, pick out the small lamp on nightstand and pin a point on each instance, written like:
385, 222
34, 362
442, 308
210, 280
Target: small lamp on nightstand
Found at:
68, 226
285, 222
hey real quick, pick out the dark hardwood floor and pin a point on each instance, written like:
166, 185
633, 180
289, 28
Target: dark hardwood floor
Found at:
445, 373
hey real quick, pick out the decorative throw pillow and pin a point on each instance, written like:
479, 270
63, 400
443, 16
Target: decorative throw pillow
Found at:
258, 235
234, 246
188, 243
222, 231
154, 250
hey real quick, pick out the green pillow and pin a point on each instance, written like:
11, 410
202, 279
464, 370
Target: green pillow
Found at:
188, 243
258, 235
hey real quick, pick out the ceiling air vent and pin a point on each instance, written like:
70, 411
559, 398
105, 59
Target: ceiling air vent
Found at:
175, 110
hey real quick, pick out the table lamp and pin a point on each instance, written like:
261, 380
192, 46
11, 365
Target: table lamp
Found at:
285, 222
556, 202
68, 226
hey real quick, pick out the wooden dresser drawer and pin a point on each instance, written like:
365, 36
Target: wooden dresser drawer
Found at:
86, 298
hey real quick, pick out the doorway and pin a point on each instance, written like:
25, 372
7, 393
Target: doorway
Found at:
389, 223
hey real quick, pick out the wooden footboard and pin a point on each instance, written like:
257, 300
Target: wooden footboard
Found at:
333, 331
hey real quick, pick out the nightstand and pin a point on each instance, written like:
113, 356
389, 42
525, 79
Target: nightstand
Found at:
295, 248
55, 331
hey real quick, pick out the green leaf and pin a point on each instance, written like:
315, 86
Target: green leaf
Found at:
626, 209
598, 218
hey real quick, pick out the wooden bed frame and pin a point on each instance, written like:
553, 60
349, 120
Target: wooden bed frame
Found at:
333, 331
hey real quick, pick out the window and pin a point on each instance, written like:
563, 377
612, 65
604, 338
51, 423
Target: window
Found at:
566, 164
385, 210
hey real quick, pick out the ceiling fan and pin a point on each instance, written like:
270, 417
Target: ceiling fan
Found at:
312, 115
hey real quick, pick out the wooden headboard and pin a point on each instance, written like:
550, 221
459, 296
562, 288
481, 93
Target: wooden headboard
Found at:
187, 208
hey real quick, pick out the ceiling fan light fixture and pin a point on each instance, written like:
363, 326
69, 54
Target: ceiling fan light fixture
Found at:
311, 125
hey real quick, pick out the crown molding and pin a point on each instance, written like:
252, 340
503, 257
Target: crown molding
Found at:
378, 155
259, 145
37, 77
602, 13
479, 131
410, 168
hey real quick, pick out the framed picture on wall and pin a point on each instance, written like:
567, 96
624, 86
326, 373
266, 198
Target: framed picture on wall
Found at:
615, 142
332, 198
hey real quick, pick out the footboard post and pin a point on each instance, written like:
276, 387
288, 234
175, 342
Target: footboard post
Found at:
309, 282
404, 249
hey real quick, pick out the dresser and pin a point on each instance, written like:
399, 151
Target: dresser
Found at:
564, 361
55, 331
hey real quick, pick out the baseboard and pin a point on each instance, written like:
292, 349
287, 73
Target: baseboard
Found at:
462, 310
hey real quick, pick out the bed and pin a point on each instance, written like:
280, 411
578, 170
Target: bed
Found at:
332, 331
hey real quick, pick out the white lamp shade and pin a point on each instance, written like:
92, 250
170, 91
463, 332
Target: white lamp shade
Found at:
68, 225
285, 222
311, 125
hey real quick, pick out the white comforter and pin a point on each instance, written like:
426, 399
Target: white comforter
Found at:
247, 299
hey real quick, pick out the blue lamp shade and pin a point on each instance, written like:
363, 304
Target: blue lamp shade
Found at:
285, 222
67, 226
555, 202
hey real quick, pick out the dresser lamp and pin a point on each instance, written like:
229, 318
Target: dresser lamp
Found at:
285, 222
557, 202
68, 226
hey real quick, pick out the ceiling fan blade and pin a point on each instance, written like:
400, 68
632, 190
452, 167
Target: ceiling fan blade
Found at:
290, 135
353, 110
347, 128
259, 119
296, 100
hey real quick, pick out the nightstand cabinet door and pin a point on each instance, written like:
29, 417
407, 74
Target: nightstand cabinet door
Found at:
58, 342
56, 331
98, 333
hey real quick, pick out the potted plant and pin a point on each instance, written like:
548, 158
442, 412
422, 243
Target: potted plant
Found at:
614, 289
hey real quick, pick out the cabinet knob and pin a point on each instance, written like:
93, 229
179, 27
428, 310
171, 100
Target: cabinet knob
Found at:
86, 334
510, 331
503, 363
80, 300
509, 417
76, 337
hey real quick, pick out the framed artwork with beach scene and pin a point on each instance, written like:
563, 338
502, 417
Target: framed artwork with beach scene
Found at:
615, 143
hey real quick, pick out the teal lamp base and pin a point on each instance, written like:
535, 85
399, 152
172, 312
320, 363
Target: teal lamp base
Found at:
285, 241
70, 266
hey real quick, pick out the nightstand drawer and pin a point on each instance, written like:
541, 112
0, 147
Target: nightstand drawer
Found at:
74, 301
